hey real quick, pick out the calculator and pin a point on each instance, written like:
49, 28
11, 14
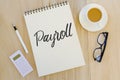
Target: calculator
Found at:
21, 63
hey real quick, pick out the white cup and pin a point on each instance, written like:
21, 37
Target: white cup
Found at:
93, 25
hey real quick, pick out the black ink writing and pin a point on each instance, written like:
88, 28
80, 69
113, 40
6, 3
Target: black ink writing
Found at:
41, 36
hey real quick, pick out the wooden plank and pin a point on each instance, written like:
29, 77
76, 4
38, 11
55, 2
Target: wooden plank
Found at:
109, 68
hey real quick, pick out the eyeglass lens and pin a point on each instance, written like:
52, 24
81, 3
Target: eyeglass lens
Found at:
101, 38
97, 54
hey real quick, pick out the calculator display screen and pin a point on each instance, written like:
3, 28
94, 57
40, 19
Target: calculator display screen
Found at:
16, 57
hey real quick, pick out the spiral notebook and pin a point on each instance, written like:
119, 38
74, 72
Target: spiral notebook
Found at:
53, 38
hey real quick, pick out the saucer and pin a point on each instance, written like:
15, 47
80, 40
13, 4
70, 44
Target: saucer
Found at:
89, 25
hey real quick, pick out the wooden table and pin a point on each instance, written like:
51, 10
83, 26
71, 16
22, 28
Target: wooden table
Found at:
11, 11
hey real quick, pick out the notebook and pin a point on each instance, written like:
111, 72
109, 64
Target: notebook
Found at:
53, 38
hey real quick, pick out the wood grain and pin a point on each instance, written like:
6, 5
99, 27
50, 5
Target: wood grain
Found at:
109, 68
11, 12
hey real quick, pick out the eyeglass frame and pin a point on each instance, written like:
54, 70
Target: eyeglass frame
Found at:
100, 46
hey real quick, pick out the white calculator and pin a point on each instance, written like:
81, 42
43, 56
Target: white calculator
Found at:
21, 63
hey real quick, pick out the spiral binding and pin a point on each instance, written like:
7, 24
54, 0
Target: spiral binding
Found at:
45, 8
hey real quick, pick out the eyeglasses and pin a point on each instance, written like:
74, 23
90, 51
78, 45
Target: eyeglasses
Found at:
99, 51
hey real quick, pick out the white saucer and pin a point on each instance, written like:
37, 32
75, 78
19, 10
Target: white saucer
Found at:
89, 25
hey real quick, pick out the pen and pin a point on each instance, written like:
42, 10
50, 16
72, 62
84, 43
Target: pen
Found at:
20, 38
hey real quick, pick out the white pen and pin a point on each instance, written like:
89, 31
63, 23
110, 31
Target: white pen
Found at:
18, 34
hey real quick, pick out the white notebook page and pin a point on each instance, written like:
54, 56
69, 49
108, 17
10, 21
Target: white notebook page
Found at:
54, 54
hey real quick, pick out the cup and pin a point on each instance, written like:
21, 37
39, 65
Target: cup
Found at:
93, 17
